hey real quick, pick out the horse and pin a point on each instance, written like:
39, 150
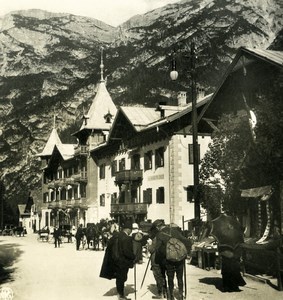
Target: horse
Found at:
91, 234
103, 233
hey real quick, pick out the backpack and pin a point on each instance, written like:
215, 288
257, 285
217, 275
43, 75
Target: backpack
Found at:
138, 236
175, 250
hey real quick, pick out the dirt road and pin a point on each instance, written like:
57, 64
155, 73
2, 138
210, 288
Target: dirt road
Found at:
40, 271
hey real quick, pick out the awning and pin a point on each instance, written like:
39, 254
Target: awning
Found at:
257, 192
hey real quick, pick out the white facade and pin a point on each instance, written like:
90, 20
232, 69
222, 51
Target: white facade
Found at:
174, 177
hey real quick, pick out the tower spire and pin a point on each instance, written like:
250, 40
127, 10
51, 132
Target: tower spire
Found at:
54, 120
101, 65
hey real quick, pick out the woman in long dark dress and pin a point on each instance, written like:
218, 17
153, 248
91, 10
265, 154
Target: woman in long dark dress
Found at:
231, 270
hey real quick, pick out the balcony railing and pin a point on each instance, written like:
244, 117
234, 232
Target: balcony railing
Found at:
81, 150
63, 182
122, 208
129, 175
82, 176
72, 203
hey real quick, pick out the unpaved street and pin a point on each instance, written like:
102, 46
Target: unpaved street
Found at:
40, 271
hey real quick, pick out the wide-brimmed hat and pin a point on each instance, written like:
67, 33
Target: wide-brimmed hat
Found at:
158, 222
135, 226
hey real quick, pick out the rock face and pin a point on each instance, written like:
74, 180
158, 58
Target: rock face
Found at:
49, 64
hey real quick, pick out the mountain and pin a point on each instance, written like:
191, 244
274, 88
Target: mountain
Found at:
49, 64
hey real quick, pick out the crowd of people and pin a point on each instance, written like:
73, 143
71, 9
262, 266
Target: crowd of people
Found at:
125, 250
168, 249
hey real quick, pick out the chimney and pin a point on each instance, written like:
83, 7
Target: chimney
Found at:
182, 98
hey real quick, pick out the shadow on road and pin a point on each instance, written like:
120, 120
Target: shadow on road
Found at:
216, 281
9, 254
129, 289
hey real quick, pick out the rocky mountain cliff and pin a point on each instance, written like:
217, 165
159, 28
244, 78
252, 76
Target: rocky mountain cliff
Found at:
49, 64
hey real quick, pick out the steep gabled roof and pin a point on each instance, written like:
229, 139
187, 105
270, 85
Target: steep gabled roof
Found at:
51, 142
274, 57
67, 151
244, 58
101, 106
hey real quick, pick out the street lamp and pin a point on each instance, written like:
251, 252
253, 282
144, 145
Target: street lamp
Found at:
174, 76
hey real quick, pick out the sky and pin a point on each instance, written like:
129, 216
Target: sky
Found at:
112, 12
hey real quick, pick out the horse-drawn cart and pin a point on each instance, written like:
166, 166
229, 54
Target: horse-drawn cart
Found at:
43, 234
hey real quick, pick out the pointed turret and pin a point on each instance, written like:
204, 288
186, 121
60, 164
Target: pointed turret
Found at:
102, 110
51, 142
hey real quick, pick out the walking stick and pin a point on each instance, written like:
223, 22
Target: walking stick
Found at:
135, 281
185, 281
146, 270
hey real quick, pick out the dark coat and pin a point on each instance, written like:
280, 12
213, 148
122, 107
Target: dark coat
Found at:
108, 268
126, 252
57, 233
79, 234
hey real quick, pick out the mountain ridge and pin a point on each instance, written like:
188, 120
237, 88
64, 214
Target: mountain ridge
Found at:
49, 64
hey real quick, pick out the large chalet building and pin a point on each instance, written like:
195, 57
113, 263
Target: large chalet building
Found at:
130, 162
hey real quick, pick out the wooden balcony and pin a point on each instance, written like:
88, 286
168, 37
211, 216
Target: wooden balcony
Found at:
128, 175
81, 177
72, 203
129, 208
81, 150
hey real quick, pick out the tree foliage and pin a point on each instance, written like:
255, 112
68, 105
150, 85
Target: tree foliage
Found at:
237, 160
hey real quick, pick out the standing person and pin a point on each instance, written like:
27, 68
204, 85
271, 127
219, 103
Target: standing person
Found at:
79, 235
159, 276
126, 258
57, 236
171, 267
138, 242
230, 269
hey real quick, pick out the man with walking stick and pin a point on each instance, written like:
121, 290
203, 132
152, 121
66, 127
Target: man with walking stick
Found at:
126, 259
171, 251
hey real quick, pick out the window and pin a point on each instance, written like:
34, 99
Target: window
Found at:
83, 190
113, 168
108, 117
70, 193
52, 195
148, 160
160, 195
135, 162
102, 171
114, 198
147, 196
45, 197
159, 157
191, 154
102, 200
76, 192
190, 193
122, 164
60, 173
63, 194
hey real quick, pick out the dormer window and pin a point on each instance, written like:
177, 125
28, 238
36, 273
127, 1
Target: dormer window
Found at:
108, 117
85, 118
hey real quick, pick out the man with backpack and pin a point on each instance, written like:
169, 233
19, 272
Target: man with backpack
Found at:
171, 252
